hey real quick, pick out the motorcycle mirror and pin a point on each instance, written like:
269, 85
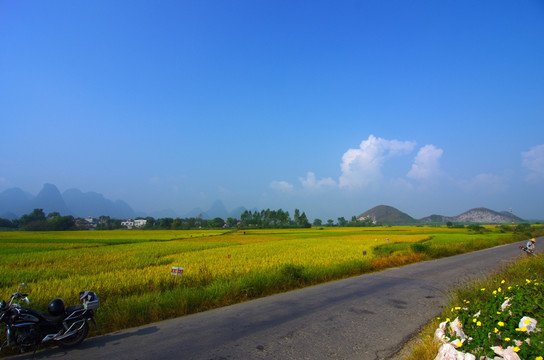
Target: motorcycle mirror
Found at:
23, 285
27, 300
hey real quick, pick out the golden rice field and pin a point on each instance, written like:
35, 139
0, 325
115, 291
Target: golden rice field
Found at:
130, 270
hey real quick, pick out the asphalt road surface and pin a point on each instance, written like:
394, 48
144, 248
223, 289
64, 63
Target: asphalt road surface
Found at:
364, 317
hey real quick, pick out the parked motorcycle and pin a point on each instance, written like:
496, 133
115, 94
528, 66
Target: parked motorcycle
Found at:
26, 328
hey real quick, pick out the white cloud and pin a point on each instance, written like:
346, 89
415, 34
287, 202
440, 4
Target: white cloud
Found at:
426, 163
533, 160
311, 183
281, 186
362, 166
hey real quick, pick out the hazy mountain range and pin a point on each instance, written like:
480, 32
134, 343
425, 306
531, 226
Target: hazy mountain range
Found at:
15, 202
388, 215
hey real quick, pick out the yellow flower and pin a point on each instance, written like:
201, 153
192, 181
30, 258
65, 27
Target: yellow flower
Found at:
496, 330
494, 292
479, 323
521, 329
509, 288
539, 358
516, 348
457, 308
482, 289
527, 281
502, 282
499, 289
527, 321
500, 323
498, 313
459, 344
506, 339
474, 320
448, 319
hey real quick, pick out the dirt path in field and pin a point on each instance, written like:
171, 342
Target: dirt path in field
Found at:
364, 317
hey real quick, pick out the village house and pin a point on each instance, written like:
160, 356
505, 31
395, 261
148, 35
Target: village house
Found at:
138, 223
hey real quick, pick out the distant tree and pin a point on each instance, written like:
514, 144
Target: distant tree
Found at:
342, 221
177, 224
232, 221
330, 222
165, 223
318, 222
6, 223
216, 223
297, 217
37, 226
284, 218
149, 223
191, 222
52, 215
366, 222
476, 228
35, 215
304, 222
62, 223
35, 221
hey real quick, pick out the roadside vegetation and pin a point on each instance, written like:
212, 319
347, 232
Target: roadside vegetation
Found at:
494, 312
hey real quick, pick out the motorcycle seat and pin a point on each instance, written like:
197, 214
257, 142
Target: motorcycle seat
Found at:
54, 318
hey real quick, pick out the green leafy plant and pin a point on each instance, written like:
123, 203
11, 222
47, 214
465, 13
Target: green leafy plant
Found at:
498, 315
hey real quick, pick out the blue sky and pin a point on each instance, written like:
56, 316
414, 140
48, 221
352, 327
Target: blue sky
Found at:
332, 107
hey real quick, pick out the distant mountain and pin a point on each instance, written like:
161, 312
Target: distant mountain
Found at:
483, 215
50, 200
15, 203
217, 209
196, 213
122, 210
86, 204
237, 212
387, 215
166, 213
94, 205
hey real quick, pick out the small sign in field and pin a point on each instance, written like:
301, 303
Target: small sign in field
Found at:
177, 270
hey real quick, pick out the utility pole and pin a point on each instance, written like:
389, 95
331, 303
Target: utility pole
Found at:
512, 216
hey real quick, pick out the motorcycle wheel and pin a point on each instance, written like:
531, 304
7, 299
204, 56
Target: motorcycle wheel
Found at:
75, 339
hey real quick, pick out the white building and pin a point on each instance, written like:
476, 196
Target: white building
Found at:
138, 223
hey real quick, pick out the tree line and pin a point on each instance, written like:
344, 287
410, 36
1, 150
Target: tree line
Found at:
37, 220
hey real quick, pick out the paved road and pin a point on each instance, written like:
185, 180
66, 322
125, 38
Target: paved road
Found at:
364, 317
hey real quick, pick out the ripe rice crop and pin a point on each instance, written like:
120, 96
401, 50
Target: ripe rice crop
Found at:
130, 269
